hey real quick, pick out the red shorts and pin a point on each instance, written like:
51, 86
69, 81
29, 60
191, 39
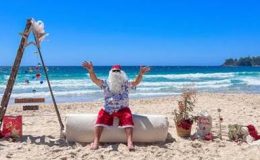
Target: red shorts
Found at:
124, 115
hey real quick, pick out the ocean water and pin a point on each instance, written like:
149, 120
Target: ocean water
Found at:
72, 84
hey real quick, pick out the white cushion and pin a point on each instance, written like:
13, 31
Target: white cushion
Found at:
147, 128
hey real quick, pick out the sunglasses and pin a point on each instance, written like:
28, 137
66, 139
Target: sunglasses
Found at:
116, 71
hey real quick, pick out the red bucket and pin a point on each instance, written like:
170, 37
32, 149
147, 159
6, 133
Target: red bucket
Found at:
12, 127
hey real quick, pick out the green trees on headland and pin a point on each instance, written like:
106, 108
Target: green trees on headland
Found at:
243, 61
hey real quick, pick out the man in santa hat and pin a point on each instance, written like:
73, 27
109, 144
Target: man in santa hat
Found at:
116, 90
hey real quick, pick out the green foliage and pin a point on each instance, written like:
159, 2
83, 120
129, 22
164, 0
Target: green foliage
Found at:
243, 61
185, 105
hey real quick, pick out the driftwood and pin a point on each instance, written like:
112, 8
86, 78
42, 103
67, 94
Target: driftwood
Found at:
29, 100
14, 71
30, 107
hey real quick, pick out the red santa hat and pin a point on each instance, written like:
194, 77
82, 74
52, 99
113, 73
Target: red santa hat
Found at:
116, 67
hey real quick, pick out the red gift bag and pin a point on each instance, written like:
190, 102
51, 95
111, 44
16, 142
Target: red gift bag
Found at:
12, 126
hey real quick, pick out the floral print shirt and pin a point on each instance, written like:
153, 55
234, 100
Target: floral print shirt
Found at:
116, 101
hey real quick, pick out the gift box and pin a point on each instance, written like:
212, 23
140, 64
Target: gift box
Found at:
12, 127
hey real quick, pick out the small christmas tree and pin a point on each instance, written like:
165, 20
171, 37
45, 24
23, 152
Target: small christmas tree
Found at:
183, 117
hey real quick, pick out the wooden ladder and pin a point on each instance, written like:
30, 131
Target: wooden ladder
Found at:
14, 71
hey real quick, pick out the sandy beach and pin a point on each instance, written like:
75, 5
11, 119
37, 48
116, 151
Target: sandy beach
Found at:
41, 131
150, 56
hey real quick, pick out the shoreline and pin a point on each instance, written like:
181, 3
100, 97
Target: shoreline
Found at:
49, 102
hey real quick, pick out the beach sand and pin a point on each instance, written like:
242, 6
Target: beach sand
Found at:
41, 131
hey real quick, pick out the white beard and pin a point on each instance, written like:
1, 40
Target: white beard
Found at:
116, 80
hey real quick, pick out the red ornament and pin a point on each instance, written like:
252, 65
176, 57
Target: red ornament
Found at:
38, 75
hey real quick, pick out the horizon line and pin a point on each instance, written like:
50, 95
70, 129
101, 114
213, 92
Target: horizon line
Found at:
127, 66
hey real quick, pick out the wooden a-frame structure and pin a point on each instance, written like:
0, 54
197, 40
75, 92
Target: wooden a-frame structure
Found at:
14, 71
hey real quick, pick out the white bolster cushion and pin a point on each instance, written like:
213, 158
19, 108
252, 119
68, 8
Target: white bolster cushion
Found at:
147, 128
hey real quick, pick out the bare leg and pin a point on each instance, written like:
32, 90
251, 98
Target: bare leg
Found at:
97, 135
129, 136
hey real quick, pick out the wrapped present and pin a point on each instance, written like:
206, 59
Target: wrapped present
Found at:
204, 125
12, 126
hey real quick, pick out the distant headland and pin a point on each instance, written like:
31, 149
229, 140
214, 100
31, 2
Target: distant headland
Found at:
243, 61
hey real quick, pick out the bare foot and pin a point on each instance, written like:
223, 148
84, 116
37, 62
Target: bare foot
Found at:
131, 147
94, 146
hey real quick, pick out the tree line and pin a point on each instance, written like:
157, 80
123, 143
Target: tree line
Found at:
243, 61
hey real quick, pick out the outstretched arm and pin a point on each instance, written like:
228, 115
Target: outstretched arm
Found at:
89, 67
139, 78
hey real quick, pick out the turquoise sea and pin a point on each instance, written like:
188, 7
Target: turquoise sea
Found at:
71, 83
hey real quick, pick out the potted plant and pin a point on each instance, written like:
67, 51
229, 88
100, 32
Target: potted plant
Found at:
183, 117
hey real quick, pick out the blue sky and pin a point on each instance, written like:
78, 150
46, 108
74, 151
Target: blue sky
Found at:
134, 32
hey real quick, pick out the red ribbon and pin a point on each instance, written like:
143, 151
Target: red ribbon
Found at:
253, 132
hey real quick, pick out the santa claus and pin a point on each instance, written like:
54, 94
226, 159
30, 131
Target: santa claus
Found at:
116, 101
